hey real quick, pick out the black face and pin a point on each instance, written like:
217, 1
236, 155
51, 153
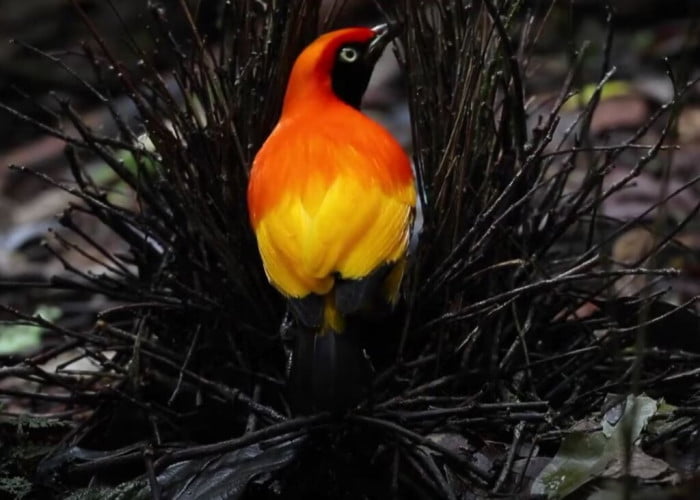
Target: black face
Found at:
351, 72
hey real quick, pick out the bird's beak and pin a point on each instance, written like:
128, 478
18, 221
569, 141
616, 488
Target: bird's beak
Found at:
384, 34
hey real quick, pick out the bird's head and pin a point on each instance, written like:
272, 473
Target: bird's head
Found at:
337, 65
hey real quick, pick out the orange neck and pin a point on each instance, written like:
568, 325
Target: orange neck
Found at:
305, 94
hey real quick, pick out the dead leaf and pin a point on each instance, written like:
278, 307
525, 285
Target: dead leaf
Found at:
585, 456
627, 112
689, 125
642, 466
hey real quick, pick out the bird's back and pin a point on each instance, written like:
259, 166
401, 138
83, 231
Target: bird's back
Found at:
331, 197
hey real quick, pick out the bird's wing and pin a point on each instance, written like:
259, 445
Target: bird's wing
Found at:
349, 230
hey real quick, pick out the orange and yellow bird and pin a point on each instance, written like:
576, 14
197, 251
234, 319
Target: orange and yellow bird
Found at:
331, 198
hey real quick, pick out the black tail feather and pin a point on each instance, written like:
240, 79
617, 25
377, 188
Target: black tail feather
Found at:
329, 372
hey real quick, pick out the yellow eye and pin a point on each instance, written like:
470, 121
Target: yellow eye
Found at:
349, 54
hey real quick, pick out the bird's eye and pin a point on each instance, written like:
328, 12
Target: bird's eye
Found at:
349, 54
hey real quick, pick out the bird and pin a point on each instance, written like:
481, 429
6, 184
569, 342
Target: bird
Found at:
331, 199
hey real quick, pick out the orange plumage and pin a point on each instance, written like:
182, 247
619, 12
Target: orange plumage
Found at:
331, 193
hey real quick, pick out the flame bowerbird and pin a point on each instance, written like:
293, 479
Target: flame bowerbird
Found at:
331, 198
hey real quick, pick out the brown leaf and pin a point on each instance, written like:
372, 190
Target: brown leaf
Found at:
642, 466
689, 125
620, 112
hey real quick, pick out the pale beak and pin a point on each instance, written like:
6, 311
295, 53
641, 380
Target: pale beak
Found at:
384, 34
